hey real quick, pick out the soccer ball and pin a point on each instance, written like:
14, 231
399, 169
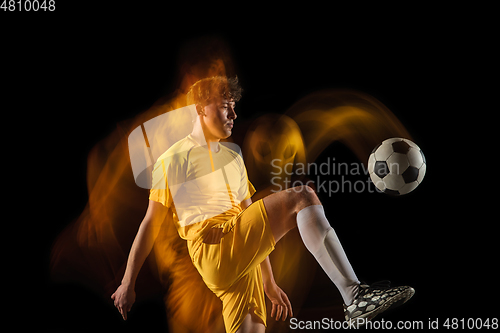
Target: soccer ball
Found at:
396, 166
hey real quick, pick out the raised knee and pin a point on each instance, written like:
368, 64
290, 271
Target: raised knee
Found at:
309, 190
304, 196
302, 189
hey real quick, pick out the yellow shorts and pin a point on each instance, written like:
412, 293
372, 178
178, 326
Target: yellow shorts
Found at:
231, 268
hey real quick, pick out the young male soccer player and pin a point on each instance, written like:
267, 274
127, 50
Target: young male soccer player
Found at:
204, 183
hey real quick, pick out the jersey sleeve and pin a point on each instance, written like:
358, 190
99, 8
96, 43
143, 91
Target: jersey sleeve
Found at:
159, 191
167, 173
251, 190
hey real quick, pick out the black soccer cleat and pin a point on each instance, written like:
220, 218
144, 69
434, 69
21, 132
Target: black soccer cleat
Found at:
374, 299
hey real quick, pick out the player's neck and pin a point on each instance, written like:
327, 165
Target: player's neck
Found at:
203, 140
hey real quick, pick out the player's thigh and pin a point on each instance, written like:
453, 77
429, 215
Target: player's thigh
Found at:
282, 208
251, 324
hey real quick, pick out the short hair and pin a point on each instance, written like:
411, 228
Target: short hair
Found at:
205, 90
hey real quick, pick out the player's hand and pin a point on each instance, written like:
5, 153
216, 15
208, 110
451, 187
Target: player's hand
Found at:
123, 299
282, 307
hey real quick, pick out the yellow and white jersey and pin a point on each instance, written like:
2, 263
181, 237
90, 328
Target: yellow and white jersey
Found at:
204, 188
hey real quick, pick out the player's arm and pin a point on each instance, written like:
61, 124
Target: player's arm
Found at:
282, 307
267, 272
124, 296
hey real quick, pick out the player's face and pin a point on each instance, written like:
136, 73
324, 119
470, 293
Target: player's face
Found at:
219, 118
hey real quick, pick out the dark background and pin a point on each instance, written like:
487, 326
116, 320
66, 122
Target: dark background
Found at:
72, 75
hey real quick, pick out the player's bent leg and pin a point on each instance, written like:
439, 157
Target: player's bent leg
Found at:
282, 208
251, 324
300, 207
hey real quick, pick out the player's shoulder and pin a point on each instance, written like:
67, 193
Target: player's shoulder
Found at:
234, 151
231, 148
178, 151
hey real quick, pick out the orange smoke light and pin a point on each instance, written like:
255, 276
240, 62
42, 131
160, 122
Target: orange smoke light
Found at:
94, 248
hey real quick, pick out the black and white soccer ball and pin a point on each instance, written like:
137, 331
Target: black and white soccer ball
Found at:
396, 166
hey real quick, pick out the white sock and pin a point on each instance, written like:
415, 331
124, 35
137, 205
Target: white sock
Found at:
322, 241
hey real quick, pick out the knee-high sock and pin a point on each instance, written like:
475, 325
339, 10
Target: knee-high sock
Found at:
322, 241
